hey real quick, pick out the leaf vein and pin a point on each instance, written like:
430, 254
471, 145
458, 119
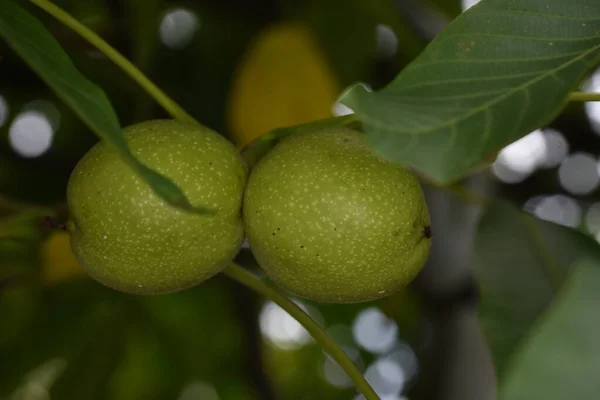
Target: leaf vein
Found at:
493, 101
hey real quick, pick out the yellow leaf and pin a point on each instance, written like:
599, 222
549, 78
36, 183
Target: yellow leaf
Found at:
283, 80
58, 262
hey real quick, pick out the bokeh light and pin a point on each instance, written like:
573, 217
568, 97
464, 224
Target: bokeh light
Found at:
466, 4
404, 355
340, 109
178, 27
394, 397
282, 329
524, 154
560, 209
531, 204
387, 41
334, 374
519, 159
386, 376
541, 149
30, 134
578, 173
374, 331
37, 383
592, 219
556, 148
592, 108
48, 109
504, 173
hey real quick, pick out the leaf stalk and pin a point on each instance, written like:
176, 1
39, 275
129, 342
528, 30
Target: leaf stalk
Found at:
174, 109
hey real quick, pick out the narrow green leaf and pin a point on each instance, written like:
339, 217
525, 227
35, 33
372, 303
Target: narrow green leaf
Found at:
520, 263
28, 37
500, 70
561, 359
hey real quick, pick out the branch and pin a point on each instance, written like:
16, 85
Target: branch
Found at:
583, 96
327, 343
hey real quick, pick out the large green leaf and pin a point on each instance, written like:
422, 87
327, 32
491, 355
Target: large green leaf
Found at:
28, 37
500, 70
520, 263
561, 360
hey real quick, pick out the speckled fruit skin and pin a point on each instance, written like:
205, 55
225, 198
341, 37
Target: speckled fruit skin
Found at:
329, 220
129, 239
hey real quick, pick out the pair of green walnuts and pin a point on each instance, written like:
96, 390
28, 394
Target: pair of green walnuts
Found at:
325, 217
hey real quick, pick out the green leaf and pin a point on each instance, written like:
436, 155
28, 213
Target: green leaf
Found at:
28, 37
520, 263
561, 359
500, 70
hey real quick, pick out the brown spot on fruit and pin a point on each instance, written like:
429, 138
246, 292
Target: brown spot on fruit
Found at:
428, 233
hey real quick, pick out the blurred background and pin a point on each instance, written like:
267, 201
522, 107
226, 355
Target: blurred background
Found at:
244, 68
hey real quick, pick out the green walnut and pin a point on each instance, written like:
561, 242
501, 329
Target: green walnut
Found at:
329, 220
129, 239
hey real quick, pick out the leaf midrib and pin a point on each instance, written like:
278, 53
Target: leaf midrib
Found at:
519, 37
494, 12
484, 106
